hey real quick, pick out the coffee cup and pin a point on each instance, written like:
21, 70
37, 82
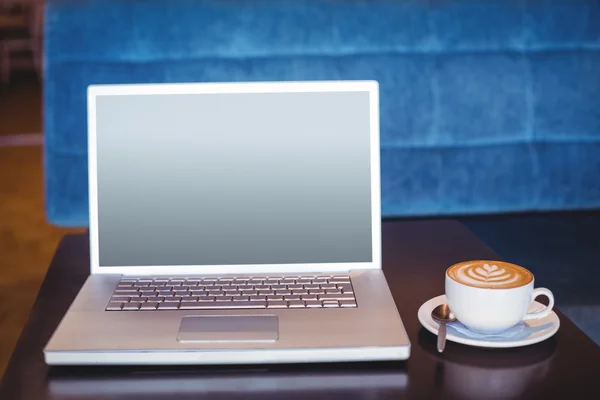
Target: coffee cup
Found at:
491, 296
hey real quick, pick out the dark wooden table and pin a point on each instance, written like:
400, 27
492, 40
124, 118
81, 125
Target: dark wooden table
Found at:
415, 255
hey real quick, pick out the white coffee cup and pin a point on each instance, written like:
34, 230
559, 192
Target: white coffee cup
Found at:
491, 296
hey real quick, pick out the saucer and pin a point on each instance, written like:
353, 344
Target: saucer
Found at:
535, 331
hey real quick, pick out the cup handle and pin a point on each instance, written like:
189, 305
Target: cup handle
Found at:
546, 310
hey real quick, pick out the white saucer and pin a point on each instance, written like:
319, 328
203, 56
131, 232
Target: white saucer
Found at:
535, 331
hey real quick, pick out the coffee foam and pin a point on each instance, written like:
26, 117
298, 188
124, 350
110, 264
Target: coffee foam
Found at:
490, 274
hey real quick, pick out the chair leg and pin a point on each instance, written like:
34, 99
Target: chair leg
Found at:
36, 52
4, 63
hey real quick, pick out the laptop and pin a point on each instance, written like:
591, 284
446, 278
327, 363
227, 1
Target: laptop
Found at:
233, 223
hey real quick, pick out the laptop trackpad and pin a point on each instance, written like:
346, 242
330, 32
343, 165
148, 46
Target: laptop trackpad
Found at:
228, 328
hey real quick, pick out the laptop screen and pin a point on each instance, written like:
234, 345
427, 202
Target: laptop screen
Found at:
233, 179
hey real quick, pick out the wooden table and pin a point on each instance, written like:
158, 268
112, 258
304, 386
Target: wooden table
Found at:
415, 255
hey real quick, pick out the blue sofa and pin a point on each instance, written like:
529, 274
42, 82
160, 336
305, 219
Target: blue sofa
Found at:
488, 106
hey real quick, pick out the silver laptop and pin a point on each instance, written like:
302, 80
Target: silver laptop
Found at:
233, 223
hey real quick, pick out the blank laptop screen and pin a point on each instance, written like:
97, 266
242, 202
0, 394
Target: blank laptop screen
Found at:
230, 179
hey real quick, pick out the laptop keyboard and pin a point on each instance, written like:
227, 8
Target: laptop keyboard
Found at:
290, 292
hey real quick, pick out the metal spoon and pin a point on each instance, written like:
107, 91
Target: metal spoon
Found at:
443, 315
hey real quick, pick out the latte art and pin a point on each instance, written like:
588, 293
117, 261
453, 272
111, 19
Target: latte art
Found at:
490, 274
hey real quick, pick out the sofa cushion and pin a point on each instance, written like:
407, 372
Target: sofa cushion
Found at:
115, 30
425, 100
